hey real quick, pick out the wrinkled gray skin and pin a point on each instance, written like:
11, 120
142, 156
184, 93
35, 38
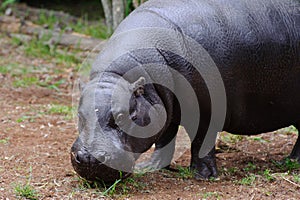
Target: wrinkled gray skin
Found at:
256, 51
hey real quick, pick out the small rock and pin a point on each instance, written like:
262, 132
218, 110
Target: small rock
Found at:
8, 12
22, 37
68, 29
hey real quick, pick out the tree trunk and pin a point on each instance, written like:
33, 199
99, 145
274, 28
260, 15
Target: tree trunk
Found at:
114, 11
107, 8
118, 12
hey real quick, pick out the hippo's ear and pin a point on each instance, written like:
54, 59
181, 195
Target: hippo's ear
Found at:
81, 85
138, 87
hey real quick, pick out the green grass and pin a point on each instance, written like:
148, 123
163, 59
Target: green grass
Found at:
4, 141
96, 30
48, 83
49, 20
259, 139
112, 189
230, 138
39, 48
101, 188
66, 58
33, 80
16, 41
268, 176
118, 188
288, 130
83, 26
214, 195
296, 178
248, 180
6, 3
14, 69
287, 165
233, 170
229, 171
185, 172
4, 70
26, 117
67, 111
250, 167
84, 184
26, 191
25, 81
121, 187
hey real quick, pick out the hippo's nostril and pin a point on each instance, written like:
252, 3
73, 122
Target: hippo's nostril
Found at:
80, 157
102, 159
77, 158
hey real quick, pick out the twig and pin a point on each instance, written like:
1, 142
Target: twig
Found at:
295, 184
252, 196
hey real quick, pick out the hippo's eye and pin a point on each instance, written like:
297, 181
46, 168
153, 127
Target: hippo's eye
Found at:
120, 118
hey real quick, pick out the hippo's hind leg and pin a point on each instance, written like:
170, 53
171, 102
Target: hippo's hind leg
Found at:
163, 152
295, 154
205, 167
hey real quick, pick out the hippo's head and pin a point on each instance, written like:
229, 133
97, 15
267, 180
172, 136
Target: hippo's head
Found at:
117, 120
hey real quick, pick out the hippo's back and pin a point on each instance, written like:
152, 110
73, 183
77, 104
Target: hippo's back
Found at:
255, 45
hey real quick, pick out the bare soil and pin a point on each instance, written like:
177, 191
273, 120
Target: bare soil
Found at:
34, 150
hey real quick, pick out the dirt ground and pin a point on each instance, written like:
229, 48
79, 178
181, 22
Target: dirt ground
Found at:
35, 142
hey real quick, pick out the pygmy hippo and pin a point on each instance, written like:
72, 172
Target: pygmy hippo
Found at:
140, 85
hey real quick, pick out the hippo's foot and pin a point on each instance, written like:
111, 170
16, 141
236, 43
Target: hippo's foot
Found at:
204, 168
161, 158
295, 154
149, 166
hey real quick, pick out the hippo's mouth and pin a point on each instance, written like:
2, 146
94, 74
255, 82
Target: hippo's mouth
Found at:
96, 170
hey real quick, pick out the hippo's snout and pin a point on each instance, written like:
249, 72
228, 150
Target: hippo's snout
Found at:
99, 166
84, 157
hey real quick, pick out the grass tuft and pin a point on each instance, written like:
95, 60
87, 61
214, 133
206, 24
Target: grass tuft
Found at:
185, 172
287, 164
248, 180
26, 191
61, 110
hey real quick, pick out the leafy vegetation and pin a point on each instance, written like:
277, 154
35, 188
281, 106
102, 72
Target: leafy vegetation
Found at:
4, 70
248, 180
82, 25
185, 172
6, 3
214, 195
26, 117
259, 139
250, 167
287, 164
26, 81
230, 138
296, 178
61, 109
42, 48
96, 30
26, 190
118, 188
4, 141
268, 176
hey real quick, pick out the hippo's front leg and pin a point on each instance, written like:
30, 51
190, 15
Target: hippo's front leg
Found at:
205, 167
295, 154
163, 152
